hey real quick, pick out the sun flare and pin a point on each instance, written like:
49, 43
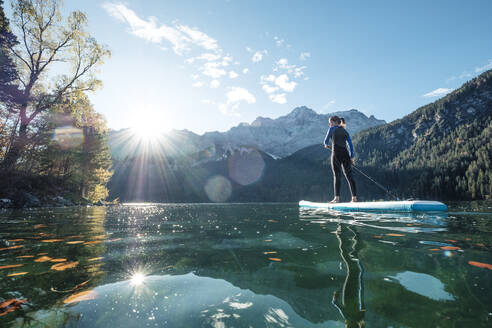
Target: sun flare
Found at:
149, 123
146, 131
137, 279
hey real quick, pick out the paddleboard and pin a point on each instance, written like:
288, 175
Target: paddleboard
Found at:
393, 206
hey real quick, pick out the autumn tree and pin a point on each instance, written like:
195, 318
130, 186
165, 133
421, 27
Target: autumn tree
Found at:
46, 40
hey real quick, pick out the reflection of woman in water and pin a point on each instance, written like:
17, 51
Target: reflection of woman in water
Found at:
351, 304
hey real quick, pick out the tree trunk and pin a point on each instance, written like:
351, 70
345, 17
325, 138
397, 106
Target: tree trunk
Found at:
15, 150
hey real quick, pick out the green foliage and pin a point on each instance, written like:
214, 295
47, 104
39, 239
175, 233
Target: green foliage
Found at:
442, 150
49, 131
48, 38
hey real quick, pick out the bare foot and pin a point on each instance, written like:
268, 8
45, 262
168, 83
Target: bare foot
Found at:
354, 199
335, 200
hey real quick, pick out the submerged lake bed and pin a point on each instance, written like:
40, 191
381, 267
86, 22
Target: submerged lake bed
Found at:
242, 265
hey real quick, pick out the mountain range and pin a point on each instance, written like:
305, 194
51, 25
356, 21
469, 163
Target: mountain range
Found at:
440, 151
278, 137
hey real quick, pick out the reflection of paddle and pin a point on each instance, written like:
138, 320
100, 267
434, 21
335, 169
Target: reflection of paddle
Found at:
351, 305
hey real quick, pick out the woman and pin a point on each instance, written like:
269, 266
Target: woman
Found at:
341, 159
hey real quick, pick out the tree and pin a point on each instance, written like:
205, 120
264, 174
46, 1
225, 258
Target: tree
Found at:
77, 154
9, 90
48, 39
8, 72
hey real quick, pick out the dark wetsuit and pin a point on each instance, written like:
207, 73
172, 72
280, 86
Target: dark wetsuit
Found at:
340, 157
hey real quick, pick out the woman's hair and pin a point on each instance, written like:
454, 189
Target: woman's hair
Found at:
335, 119
342, 120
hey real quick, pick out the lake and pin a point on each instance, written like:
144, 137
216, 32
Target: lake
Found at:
244, 265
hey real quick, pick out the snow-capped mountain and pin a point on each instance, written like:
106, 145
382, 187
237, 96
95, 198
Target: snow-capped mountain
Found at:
278, 137
284, 135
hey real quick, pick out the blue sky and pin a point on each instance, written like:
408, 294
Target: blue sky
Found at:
209, 65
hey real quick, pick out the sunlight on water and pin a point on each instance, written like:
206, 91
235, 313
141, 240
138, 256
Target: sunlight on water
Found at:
230, 265
137, 279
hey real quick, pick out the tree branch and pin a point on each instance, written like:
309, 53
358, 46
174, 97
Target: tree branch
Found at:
55, 50
24, 37
20, 57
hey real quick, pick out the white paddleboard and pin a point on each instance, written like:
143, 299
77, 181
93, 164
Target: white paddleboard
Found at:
392, 206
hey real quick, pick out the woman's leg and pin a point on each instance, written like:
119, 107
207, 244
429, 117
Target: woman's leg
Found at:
335, 167
347, 171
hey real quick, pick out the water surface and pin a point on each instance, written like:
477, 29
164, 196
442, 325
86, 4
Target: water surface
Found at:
244, 265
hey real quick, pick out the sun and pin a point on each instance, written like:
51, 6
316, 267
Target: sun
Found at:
146, 132
148, 124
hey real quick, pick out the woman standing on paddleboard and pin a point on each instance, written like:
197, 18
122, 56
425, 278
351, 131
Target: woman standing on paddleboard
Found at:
341, 159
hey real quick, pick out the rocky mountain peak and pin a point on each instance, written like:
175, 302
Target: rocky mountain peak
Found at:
261, 121
302, 111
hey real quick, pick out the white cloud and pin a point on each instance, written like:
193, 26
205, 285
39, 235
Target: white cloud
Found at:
215, 84
235, 96
257, 57
278, 98
195, 76
278, 41
245, 71
304, 55
198, 84
282, 63
438, 92
181, 37
299, 71
213, 70
267, 78
269, 89
470, 74
233, 74
283, 82
208, 56
329, 104
238, 94
208, 101
484, 67
199, 38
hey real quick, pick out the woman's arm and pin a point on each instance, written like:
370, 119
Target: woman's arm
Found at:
328, 135
351, 147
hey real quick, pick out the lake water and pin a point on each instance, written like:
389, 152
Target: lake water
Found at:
244, 265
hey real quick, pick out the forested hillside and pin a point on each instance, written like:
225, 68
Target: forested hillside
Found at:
442, 150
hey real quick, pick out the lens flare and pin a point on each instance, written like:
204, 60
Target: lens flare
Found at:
218, 189
68, 137
246, 166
